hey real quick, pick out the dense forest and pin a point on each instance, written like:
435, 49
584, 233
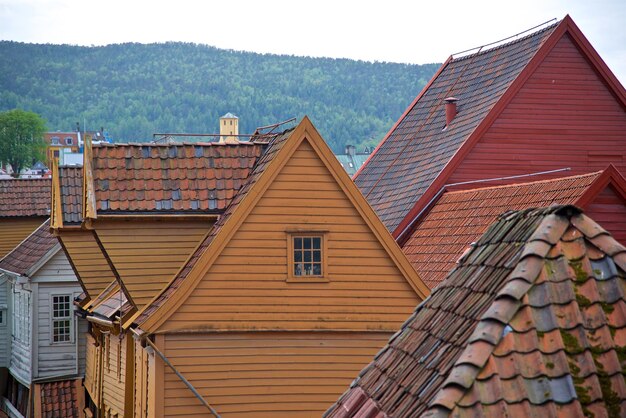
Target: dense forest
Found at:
134, 90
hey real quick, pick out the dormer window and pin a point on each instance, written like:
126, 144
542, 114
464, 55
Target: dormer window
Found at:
55, 140
68, 140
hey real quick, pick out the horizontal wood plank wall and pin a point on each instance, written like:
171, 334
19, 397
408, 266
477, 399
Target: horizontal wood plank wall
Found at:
265, 374
89, 261
14, 230
247, 286
609, 210
92, 376
57, 269
146, 254
113, 396
564, 116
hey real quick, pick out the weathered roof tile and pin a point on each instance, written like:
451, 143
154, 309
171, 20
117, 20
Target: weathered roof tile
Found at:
553, 351
23, 257
25, 197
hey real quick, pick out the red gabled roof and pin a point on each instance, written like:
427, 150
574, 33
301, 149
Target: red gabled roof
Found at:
60, 399
71, 188
417, 157
531, 323
30, 251
170, 178
458, 218
25, 197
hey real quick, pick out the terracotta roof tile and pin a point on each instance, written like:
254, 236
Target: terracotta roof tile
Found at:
60, 399
458, 218
265, 159
553, 350
200, 177
25, 197
71, 181
416, 151
23, 257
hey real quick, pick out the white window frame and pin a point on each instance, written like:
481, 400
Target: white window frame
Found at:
69, 318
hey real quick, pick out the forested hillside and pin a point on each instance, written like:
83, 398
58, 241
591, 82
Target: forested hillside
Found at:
134, 90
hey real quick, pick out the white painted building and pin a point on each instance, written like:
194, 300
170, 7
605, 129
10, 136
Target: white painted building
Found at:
46, 340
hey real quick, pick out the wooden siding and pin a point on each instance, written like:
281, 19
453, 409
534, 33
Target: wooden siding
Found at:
247, 287
5, 326
147, 254
90, 263
114, 374
563, 116
92, 368
140, 388
54, 359
264, 374
15, 230
57, 269
609, 210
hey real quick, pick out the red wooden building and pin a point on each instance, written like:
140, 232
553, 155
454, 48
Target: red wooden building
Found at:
542, 102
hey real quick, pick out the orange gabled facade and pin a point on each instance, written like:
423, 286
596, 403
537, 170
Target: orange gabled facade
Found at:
257, 329
128, 219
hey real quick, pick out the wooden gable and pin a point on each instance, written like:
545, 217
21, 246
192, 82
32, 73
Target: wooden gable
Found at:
146, 254
241, 281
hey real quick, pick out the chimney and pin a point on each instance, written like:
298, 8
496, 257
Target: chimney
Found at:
450, 109
229, 129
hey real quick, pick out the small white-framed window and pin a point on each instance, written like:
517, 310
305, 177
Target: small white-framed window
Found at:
68, 140
3, 317
21, 316
55, 140
62, 329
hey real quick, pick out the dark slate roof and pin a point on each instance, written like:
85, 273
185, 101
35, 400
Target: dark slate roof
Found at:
25, 197
275, 145
459, 218
531, 323
414, 153
60, 399
30, 251
188, 178
71, 180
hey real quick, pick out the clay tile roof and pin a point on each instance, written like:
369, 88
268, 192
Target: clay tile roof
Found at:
25, 197
23, 257
458, 218
71, 180
275, 145
418, 148
531, 323
60, 399
174, 178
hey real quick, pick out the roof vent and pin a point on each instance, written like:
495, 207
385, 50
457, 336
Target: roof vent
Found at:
450, 109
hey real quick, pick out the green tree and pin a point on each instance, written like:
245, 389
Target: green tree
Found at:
21, 139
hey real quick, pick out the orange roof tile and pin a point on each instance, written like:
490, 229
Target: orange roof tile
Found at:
25, 197
170, 178
23, 257
458, 218
59, 399
531, 323
71, 181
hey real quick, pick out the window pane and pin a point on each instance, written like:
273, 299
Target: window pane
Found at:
297, 256
297, 243
307, 256
307, 243
317, 269
317, 256
317, 242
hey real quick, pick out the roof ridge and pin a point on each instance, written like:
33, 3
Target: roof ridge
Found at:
503, 45
511, 185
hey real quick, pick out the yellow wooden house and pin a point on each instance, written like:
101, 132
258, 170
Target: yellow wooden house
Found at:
285, 298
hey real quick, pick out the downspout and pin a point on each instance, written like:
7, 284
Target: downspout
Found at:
193, 390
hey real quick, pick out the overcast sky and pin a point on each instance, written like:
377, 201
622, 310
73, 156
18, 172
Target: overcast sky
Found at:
385, 30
